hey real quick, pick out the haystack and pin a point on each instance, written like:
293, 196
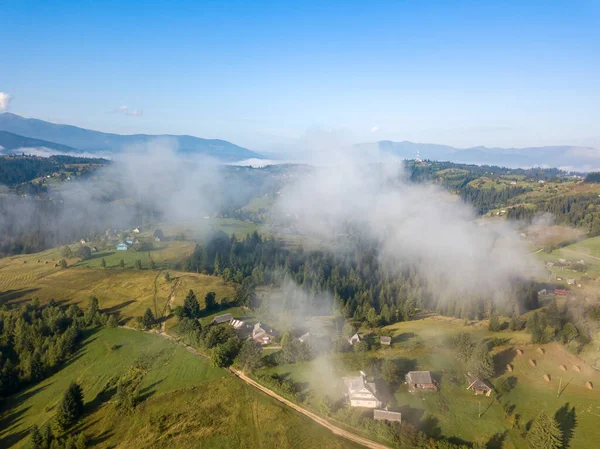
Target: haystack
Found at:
563, 367
547, 377
532, 362
589, 385
541, 350
577, 368
519, 352
509, 368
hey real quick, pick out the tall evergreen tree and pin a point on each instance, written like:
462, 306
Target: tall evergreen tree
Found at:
70, 408
148, 319
544, 433
191, 308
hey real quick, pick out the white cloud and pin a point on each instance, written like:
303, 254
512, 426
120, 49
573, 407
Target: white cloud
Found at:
375, 129
124, 109
4, 101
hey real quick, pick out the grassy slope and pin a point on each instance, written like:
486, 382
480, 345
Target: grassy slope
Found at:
128, 291
453, 411
187, 403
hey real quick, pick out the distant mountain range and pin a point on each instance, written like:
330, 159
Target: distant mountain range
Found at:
74, 139
566, 157
12, 143
17, 132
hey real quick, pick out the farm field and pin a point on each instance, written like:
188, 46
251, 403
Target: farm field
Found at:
198, 230
127, 291
165, 255
453, 411
587, 250
187, 402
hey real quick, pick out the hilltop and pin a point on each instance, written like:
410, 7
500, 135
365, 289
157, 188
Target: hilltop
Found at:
108, 143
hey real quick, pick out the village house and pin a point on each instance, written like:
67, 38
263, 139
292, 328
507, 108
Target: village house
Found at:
478, 385
122, 247
362, 393
227, 318
136, 230
260, 334
354, 339
385, 340
420, 381
237, 323
304, 338
385, 415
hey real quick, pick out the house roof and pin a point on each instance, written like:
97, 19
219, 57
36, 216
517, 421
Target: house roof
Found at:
359, 383
385, 339
223, 318
381, 415
304, 337
476, 383
419, 377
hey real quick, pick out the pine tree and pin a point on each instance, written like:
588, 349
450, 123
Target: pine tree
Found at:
36, 441
148, 319
112, 321
122, 263
103, 262
209, 300
544, 433
191, 308
70, 408
481, 363
494, 324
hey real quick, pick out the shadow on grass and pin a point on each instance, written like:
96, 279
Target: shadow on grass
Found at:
403, 337
149, 391
567, 421
118, 307
502, 359
11, 295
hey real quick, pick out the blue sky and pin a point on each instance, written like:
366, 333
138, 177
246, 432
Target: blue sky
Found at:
268, 74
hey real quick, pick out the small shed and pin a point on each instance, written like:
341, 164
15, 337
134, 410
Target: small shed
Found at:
354, 339
478, 385
222, 319
385, 415
385, 340
304, 338
420, 381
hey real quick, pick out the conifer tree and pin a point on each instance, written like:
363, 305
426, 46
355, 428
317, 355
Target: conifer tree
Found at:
148, 319
544, 433
191, 307
70, 408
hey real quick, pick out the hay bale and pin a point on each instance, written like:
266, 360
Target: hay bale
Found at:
563, 367
532, 362
577, 368
547, 377
589, 385
541, 350
509, 368
519, 352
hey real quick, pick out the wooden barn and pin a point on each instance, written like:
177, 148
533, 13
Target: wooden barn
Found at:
478, 385
420, 381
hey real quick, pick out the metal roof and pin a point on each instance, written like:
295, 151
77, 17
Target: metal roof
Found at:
419, 377
384, 415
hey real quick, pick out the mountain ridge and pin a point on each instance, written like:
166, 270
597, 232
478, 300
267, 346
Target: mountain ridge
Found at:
101, 142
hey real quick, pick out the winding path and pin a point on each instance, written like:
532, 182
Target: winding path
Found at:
316, 418
322, 421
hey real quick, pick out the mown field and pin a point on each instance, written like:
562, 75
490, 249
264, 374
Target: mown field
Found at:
127, 291
186, 402
453, 411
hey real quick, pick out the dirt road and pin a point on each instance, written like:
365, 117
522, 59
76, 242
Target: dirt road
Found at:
336, 430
